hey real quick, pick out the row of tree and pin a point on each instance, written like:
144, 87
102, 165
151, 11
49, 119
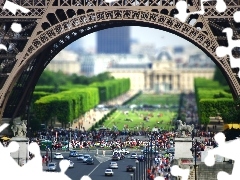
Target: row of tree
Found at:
56, 79
73, 101
215, 99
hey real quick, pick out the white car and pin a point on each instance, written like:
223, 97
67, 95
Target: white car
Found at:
85, 157
71, 165
58, 156
113, 165
109, 172
80, 157
52, 167
134, 156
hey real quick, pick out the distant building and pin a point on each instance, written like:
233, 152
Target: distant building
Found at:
114, 40
178, 49
200, 60
87, 65
93, 64
161, 75
65, 61
145, 49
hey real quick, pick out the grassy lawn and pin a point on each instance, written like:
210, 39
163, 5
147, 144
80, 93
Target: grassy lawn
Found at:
155, 99
159, 118
136, 119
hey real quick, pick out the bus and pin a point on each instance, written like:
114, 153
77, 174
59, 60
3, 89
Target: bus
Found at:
45, 144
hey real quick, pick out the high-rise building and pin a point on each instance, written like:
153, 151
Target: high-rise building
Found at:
114, 40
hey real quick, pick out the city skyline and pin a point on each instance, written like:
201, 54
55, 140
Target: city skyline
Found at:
143, 35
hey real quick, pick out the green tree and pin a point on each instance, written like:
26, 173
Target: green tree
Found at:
57, 79
46, 78
53, 78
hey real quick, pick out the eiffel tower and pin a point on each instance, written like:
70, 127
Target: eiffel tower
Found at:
51, 25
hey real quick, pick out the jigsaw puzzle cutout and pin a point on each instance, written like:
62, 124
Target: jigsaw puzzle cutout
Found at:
176, 171
11, 170
16, 27
159, 178
182, 6
222, 51
230, 150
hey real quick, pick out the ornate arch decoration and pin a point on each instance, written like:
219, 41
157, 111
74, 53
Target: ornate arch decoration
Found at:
51, 34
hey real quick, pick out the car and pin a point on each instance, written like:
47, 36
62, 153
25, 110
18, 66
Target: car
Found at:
73, 154
80, 157
141, 158
133, 156
52, 167
115, 157
71, 165
113, 165
58, 156
120, 155
85, 157
130, 168
122, 151
90, 161
109, 172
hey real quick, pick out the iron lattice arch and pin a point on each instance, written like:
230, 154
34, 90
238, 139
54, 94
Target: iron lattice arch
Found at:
51, 25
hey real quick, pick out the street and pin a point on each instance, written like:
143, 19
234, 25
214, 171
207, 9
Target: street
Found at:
97, 170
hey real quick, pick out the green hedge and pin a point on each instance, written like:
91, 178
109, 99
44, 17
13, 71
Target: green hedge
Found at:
212, 98
210, 108
56, 89
38, 94
112, 88
75, 100
67, 105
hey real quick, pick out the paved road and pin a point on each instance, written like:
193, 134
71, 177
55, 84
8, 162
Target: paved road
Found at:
96, 171
94, 152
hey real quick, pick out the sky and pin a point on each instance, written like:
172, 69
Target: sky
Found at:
144, 35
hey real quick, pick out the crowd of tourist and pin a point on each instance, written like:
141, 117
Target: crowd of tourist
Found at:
109, 139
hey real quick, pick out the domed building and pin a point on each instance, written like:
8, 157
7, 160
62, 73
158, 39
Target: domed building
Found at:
164, 75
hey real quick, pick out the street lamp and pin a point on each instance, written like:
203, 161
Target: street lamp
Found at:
131, 176
69, 138
51, 143
150, 165
137, 170
148, 155
195, 163
134, 176
194, 131
145, 165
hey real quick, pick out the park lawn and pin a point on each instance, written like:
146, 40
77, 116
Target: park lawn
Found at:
155, 99
118, 118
